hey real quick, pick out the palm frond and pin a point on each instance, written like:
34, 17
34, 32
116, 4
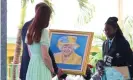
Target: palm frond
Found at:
23, 3
101, 37
130, 37
86, 12
128, 26
32, 1
128, 22
23, 13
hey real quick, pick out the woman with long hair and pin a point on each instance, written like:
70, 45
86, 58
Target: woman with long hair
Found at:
40, 65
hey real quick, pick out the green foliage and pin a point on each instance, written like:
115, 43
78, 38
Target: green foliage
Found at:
93, 53
23, 12
101, 37
32, 1
24, 2
128, 29
22, 17
86, 12
95, 58
98, 40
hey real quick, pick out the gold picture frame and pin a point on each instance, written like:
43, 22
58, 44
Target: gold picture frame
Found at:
74, 38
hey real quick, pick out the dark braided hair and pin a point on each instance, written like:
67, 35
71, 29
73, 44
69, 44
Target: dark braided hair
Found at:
113, 22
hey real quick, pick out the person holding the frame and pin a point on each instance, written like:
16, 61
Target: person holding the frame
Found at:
25, 56
116, 49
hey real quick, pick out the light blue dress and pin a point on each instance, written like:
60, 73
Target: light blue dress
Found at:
37, 70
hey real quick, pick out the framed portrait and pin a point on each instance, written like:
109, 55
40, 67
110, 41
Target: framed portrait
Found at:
71, 50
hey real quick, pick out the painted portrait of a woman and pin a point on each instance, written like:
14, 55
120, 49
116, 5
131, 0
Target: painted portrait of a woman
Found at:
67, 55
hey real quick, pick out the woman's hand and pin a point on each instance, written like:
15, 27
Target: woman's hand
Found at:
52, 71
60, 72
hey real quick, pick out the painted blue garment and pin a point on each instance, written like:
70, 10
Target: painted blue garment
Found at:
112, 74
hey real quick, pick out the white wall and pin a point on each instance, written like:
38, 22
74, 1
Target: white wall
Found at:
65, 15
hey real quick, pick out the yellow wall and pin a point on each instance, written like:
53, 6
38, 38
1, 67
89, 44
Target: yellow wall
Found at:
11, 49
10, 52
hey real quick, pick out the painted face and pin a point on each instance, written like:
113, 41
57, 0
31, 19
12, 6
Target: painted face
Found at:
109, 31
67, 49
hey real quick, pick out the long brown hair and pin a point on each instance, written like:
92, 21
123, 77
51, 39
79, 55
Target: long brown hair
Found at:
40, 22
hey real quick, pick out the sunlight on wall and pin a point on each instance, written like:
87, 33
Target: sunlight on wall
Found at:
127, 6
66, 12
13, 17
